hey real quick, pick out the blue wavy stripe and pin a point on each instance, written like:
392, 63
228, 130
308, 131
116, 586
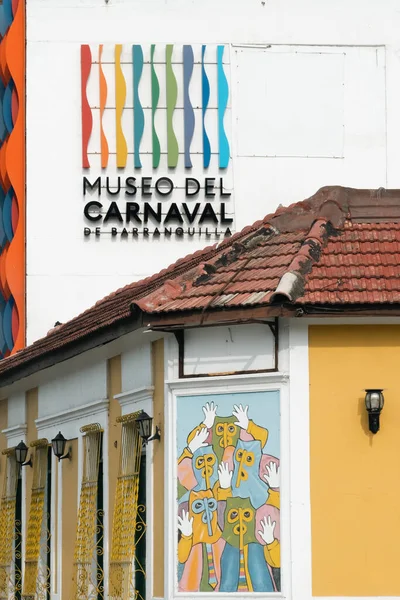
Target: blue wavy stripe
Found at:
6, 16
223, 93
7, 323
188, 112
7, 219
138, 114
205, 86
7, 111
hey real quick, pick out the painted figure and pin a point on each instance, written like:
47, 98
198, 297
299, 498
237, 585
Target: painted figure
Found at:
246, 482
200, 546
229, 496
244, 566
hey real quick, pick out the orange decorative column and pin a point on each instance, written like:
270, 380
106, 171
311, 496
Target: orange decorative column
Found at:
12, 180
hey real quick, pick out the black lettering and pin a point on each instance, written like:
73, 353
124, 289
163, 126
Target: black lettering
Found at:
108, 187
173, 214
160, 188
97, 231
130, 185
156, 232
91, 186
179, 231
89, 206
221, 189
132, 209
146, 185
191, 215
113, 213
207, 233
191, 231
134, 231
208, 214
114, 231
191, 182
87, 231
224, 219
145, 232
149, 211
209, 187
124, 232
168, 231
228, 232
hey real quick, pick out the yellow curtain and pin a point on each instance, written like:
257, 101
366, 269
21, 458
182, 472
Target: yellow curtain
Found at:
125, 510
85, 585
7, 522
36, 522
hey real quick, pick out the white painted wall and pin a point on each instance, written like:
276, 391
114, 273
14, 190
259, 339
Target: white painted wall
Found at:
228, 349
314, 100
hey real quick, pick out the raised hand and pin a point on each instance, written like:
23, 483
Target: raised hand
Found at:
209, 411
198, 440
272, 475
241, 415
224, 476
185, 525
268, 528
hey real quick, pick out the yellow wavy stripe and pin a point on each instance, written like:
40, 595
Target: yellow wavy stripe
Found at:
120, 95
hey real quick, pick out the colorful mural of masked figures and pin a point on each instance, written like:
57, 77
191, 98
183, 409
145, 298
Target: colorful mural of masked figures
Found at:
229, 493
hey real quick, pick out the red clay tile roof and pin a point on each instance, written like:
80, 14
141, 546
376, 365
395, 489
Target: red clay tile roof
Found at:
341, 246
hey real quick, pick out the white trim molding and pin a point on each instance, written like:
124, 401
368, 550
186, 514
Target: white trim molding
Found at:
15, 434
137, 399
259, 382
73, 419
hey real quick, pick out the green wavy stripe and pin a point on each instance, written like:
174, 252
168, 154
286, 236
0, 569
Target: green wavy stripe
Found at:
172, 94
155, 95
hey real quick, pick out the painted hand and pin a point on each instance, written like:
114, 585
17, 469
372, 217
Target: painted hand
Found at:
268, 528
241, 415
199, 440
185, 525
209, 411
224, 476
272, 475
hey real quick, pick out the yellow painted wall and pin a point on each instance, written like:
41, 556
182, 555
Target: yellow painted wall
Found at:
355, 476
114, 436
158, 472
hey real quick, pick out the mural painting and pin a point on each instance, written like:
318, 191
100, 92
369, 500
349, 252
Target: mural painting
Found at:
228, 449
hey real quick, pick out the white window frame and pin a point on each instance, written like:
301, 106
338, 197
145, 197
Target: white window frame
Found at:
264, 382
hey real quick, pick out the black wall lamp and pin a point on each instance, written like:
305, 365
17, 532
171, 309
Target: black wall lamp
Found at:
21, 452
374, 402
144, 424
58, 445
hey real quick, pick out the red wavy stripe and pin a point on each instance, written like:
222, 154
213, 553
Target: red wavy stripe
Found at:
87, 119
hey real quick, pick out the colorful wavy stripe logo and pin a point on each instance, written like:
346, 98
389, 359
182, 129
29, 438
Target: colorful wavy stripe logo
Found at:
166, 98
12, 177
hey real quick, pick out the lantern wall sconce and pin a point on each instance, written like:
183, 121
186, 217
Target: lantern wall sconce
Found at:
21, 452
374, 402
58, 444
144, 424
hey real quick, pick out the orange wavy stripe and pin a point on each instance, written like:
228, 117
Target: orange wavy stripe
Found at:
120, 95
15, 168
103, 100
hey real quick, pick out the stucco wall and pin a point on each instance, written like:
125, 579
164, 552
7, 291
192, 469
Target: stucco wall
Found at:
355, 482
313, 100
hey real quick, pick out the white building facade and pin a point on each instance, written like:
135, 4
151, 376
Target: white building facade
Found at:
267, 101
